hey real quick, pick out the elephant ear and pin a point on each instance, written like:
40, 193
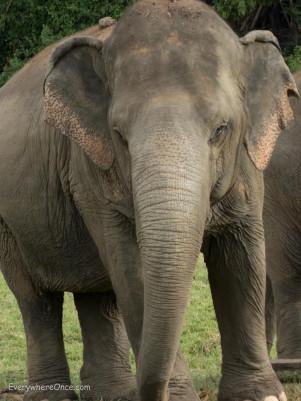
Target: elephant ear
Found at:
268, 86
76, 97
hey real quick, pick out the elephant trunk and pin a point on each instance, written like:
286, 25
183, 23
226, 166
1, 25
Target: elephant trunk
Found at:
171, 193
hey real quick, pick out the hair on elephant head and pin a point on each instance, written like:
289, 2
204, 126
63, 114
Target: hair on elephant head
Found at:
174, 97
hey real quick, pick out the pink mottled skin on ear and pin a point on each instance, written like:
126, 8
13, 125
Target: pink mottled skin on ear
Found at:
262, 151
65, 120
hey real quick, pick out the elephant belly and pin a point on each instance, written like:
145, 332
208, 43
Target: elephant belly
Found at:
58, 259
73, 265
76, 270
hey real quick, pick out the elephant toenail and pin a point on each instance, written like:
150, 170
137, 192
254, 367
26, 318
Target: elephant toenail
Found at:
282, 397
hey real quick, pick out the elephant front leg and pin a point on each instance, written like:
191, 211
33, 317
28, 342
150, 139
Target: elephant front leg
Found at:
236, 265
48, 372
106, 370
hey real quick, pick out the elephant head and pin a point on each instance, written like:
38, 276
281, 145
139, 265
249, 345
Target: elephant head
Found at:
172, 98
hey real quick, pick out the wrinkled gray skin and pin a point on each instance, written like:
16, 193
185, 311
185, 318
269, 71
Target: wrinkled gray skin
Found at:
283, 235
115, 170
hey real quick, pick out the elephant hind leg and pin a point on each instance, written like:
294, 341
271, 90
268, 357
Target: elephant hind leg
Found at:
289, 343
284, 270
106, 370
288, 309
283, 254
270, 316
42, 319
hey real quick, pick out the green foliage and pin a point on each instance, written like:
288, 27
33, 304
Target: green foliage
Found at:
283, 17
294, 60
13, 66
27, 26
235, 9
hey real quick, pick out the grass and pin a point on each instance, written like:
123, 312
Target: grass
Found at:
200, 341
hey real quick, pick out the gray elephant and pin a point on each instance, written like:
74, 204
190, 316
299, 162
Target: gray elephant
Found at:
283, 234
119, 159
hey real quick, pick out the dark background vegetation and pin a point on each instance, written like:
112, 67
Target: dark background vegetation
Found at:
26, 26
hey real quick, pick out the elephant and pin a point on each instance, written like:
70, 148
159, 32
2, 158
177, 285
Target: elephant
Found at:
281, 215
122, 155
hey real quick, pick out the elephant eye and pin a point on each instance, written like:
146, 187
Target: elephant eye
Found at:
219, 132
118, 132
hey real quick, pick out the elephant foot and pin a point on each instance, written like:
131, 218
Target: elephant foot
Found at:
254, 397
259, 387
96, 396
50, 395
8, 395
282, 397
182, 390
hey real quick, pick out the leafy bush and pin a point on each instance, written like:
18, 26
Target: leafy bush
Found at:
13, 66
26, 26
235, 9
283, 17
294, 60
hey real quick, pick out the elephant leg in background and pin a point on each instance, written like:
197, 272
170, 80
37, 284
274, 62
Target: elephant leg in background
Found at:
288, 317
237, 275
126, 276
270, 315
106, 367
180, 384
284, 270
42, 318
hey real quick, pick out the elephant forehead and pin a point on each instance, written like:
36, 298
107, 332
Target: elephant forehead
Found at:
172, 40
160, 38
157, 82
148, 23
165, 64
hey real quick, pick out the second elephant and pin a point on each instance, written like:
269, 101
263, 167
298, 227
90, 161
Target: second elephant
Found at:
282, 221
